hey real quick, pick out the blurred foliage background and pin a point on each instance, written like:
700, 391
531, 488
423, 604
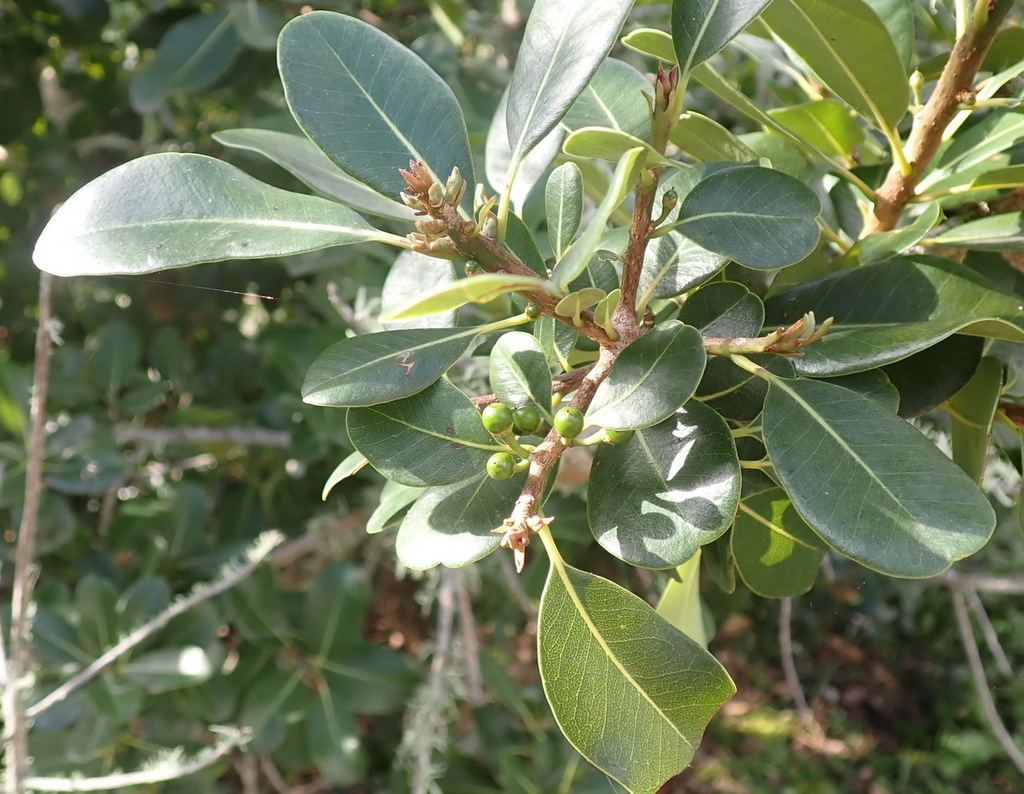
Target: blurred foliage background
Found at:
177, 435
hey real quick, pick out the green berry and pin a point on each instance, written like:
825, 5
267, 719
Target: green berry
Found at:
618, 436
497, 418
527, 418
501, 466
569, 422
533, 311
472, 268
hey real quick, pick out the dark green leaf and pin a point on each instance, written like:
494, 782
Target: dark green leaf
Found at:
334, 609
674, 487
372, 680
116, 354
273, 700
142, 601
700, 28
596, 638
972, 410
256, 24
96, 601
776, 553
870, 484
724, 309
557, 340
194, 54
849, 49
674, 264
169, 669
757, 216
434, 437
564, 44
650, 379
927, 379
613, 99
376, 368
333, 740
172, 210
371, 104
300, 157
735, 393
995, 233
873, 384
885, 245
563, 200
886, 312
898, 17
453, 525
519, 372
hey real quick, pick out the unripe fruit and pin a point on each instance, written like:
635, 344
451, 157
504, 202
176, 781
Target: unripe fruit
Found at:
497, 418
527, 418
618, 436
472, 268
501, 466
569, 422
533, 311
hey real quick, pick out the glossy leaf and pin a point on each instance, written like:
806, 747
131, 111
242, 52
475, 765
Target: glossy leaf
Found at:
599, 641
300, 157
873, 384
348, 467
563, 201
700, 28
404, 284
735, 393
826, 124
331, 67
724, 309
499, 165
674, 264
648, 41
564, 44
971, 411
1003, 232
519, 372
597, 143
394, 499
705, 139
556, 340
674, 487
849, 49
172, 210
452, 525
776, 553
757, 216
381, 367
193, 54
579, 255
650, 379
955, 160
475, 289
1001, 178
432, 438
870, 484
614, 98
885, 245
888, 311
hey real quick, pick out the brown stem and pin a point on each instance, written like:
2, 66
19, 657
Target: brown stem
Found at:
929, 124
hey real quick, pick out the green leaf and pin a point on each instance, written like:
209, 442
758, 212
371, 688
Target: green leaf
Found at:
776, 553
971, 411
672, 488
735, 393
885, 245
898, 17
519, 372
377, 368
598, 143
453, 525
300, 157
873, 384
434, 437
192, 55
333, 740
557, 340
955, 160
372, 680
394, 499
474, 289
349, 466
826, 124
1001, 178
563, 201
655, 43
757, 216
650, 379
680, 603
1003, 232
116, 354
257, 25
870, 484
596, 638
614, 98
142, 601
96, 602
888, 311
499, 165
582, 251
724, 309
369, 119
700, 28
705, 139
333, 610
564, 44
849, 48
169, 669
172, 210
404, 283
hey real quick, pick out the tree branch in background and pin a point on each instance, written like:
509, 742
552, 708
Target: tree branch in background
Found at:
955, 84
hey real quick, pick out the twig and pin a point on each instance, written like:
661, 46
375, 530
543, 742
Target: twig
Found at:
995, 722
20, 662
986, 583
312, 541
344, 310
230, 577
470, 646
926, 134
273, 776
162, 436
796, 691
988, 631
